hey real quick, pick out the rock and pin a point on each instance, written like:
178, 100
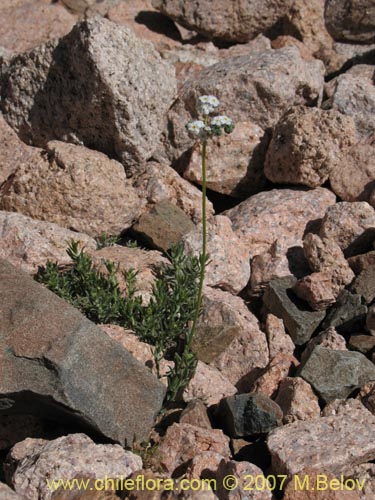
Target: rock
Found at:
336, 374
350, 225
229, 266
228, 337
307, 144
209, 385
367, 397
279, 214
355, 96
348, 314
235, 165
359, 263
13, 152
74, 370
242, 472
365, 474
246, 20
352, 180
204, 464
195, 413
163, 226
341, 407
320, 485
160, 182
77, 188
318, 290
305, 21
89, 494
28, 243
119, 112
370, 320
30, 462
289, 41
362, 343
90, 7
297, 400
182, 442
278, 340
8, 494
140, 350
274, 374
364, 285
329, 338
351, 22
346, 53
249, 414
125, 258
333, 443
299, 322
248, 86
30, 24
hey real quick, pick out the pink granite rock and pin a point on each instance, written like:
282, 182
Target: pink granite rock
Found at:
278, 340
277, 370
297, 400
329, 338
351, 22
318, 290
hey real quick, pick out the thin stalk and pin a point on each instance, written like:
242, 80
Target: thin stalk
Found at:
204, 247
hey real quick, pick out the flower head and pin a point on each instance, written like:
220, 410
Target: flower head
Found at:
207, 104
198, 129
221, 122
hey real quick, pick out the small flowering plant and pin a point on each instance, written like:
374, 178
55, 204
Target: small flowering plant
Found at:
202, 129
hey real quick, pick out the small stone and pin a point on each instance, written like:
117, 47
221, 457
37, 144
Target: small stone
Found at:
249, 414
195, 413
278, 340
297, 400
274, 374
370, 320
318, 290
299, 322
335, 443
347, 314
353, 22
364, 284
362, 343
329, 338
359, 263
242, 472
336, 374
163, 226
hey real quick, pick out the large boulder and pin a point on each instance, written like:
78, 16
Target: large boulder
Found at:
351, 21
239, 23
75, 187
257, 87
57, 364
98, 86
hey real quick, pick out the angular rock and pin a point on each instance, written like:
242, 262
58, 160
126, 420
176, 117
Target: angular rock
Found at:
336, 374
329, 338
353, 179
367, 397
235, 164
370, 320
355, 96
7, 494
78, 494
350, 225
352, 22
297, 400
73, 370
299, 322
365, 474
209, 385
307, 144
229, 338
364, 285
249, 415
90, 7
77, 188
229, 266
359, 263
182, 442
30, 24
31, 461
27, 243
348, 314
195, 413
278, 340
248, 86
274, 374
246, 20
242, 472
342, 406
120, 111
318, 290
334, 443
160, 182
279, 214
289, 41
362, 343
163, 226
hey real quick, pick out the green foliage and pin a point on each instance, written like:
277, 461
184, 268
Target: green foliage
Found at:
164, 323
106, 240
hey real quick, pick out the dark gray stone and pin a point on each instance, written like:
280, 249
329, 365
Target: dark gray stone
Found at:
55, 363
336, 374
163, 226
364, 284
299, 320
249, 415
348, 314
362, 343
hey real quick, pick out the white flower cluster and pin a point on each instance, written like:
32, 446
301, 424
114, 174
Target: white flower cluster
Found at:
207, 104
201, 129
197, 128
221, 121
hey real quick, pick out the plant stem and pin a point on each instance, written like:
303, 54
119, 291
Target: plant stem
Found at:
204, 247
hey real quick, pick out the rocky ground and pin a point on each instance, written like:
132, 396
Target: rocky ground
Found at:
94, 100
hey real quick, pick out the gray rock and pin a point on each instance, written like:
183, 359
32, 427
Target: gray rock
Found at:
352, 21
163, 226
364, 284
347, 314
336, 374
299, 322
249, 414
239, 23
57, 364
333, 443
98, 86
